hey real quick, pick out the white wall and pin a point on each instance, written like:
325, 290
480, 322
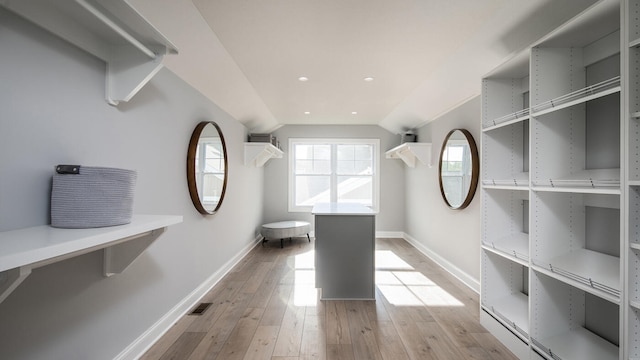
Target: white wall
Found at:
452, 236
52, 111
391, 215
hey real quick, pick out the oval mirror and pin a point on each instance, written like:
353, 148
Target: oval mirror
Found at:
458, 168
207, 167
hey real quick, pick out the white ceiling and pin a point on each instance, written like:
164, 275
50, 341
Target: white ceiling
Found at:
426, 56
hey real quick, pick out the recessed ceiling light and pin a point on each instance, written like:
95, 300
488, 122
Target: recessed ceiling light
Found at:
368, 78
307, 112
303, 78
354, 113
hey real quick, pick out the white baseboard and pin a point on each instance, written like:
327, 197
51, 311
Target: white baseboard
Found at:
466, 279
137, 348
379, 234
390, 234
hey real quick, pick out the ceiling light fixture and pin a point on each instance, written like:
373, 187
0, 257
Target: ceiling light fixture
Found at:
307, 112
368, 78
303, 78
354, 113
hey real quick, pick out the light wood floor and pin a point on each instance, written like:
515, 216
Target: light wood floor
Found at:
267, 308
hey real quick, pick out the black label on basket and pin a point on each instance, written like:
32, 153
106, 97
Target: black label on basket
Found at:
68, 169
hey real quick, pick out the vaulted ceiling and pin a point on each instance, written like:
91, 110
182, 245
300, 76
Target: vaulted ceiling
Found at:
425, 57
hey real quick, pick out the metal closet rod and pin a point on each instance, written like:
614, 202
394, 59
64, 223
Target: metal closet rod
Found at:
115, 27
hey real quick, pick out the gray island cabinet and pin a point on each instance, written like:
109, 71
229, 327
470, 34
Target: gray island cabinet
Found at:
345, 251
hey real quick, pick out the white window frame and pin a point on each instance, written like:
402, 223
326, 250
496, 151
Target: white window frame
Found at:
336, 141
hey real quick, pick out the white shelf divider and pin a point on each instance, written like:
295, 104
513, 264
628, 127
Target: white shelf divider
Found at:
25, 249
515, 247
411, 153
591, 269
513, 310
607, 87
577, 344
256, 154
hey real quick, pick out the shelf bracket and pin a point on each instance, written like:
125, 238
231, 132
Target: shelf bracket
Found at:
119, 256
10, 279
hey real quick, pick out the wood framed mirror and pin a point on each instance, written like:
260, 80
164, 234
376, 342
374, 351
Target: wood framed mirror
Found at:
458, 169
207, 170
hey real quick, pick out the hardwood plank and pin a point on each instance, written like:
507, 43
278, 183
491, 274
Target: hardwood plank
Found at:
440, 346
404, 321
262, 344
337, 322
363, 338
290, 335
162, 345
184, 346
219, 305
272, 279
496, 350
314, 339
340, 352
256, 279
219, 332
388, 339
274, 312
236, 345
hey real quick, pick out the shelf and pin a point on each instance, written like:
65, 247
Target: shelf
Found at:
410, 152
512, 311
256, 154
509, 119
606, 179
520, 180
25, 249
583, 95
593, 269
515, 247
577, 344
111, 30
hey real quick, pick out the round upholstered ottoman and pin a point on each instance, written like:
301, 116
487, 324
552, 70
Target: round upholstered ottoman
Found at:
284, 230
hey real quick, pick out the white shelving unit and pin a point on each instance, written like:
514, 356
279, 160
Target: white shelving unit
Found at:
411, 153
257, 154
25, 249
111, 30
553, 194
631, 112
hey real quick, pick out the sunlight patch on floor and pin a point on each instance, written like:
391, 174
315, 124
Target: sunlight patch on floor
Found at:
304, 283
398, 282
387, 259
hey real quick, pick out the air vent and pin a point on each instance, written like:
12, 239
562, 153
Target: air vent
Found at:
200, 309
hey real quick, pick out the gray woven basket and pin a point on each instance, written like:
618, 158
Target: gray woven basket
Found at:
89, 197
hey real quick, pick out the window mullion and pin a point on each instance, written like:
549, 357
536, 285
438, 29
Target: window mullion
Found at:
334, 171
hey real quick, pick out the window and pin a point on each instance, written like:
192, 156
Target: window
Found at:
456, 170
210, 170
333, 170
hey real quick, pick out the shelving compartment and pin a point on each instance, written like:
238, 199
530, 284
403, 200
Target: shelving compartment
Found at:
505, 93
578, 147
505, 292
505, 223
575, 96
634, 116
505, 156
579, 62
576, 239
568, 323
633, 14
